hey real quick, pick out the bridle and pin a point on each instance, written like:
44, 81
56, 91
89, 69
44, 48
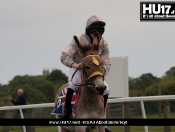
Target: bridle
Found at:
95, 73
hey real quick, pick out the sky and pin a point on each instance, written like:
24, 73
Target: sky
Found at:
33, 34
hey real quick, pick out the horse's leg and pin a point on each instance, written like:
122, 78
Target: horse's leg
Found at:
63, 129
100, 129
80, 128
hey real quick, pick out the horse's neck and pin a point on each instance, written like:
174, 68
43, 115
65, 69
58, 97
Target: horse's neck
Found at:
87, 93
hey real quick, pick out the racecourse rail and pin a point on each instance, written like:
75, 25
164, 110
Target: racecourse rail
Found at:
114, 100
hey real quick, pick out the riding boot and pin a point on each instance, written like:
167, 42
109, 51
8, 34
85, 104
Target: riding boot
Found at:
105, 100
67, 109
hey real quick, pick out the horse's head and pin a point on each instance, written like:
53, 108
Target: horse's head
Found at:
92, 72
92, 65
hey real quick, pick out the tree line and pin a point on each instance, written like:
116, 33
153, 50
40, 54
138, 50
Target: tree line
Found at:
38, 89
148, 84
42, 89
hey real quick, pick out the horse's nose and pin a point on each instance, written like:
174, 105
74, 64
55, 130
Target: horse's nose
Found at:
97, 89
100, 90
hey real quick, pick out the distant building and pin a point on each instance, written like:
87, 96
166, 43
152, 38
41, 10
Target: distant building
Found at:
46, 72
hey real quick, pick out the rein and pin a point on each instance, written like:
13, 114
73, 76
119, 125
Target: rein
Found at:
88, 83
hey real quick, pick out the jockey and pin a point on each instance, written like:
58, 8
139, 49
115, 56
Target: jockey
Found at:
70, 57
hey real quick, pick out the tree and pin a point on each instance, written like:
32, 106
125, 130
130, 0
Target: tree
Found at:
167, 85
57, 75
143, 81
47, 88
138, 86
131, 83
4, 90
170, 72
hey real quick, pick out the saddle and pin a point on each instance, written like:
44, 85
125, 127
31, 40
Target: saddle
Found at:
59, 106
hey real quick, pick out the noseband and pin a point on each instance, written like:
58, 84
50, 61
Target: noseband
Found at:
95, 73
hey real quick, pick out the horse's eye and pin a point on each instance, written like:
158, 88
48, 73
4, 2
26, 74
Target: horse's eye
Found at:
87, 67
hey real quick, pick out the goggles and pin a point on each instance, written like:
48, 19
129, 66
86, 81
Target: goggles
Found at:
100, 30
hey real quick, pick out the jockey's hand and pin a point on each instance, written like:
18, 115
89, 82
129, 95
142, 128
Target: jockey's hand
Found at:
77, 66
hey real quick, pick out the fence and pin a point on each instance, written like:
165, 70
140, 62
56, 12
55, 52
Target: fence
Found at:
125, 101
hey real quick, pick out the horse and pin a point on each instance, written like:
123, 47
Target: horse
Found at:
90, 105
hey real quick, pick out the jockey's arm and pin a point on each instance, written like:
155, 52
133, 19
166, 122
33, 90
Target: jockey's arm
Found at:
67, 56
105, 56
66, 59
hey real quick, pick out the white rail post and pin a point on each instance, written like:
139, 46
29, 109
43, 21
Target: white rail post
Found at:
59, 130
22, 117
143, 114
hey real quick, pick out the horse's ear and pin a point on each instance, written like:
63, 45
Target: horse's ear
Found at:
79, 45
96, 41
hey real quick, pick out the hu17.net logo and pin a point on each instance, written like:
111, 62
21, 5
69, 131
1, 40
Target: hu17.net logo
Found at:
157, 10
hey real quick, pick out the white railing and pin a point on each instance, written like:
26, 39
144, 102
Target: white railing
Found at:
116, 100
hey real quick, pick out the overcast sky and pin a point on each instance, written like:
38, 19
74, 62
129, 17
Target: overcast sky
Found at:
33, 34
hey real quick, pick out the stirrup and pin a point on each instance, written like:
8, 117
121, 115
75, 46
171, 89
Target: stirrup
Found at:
107, 130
